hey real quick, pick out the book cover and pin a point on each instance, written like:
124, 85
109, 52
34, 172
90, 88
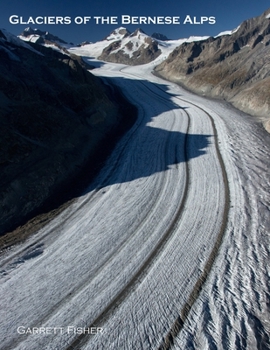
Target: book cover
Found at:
134, 190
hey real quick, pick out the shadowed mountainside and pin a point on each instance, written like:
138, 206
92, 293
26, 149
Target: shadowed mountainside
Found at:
235, 67
54, 116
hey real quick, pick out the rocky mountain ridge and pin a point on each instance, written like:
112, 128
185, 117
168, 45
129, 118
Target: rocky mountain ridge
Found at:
235, 67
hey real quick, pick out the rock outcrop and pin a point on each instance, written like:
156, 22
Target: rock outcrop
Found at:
235, 67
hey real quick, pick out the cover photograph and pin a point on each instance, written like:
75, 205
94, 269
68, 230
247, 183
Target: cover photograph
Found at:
135, 175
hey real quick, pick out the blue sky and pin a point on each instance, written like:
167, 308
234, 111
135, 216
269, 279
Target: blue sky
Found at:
228, 15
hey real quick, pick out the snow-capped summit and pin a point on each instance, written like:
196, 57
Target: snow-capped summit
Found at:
44, 38
118, 34
133, 49
8, 43
137, 32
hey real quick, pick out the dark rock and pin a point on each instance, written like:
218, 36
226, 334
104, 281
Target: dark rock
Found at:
84, 43
159, 36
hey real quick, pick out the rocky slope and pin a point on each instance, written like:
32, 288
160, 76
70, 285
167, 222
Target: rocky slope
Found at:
54, 115
235, 67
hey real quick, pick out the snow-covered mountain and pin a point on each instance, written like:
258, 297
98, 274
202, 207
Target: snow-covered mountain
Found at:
8, 41
118, 34
39, 36
120, 46
44, 38
135, 48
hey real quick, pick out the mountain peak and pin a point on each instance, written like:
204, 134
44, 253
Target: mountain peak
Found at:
137, 31
7, 39
118, 34
159, 36
28, 33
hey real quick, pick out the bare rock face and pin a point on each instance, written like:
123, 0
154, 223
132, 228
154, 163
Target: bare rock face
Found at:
235, 67
159, 36
54, 116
